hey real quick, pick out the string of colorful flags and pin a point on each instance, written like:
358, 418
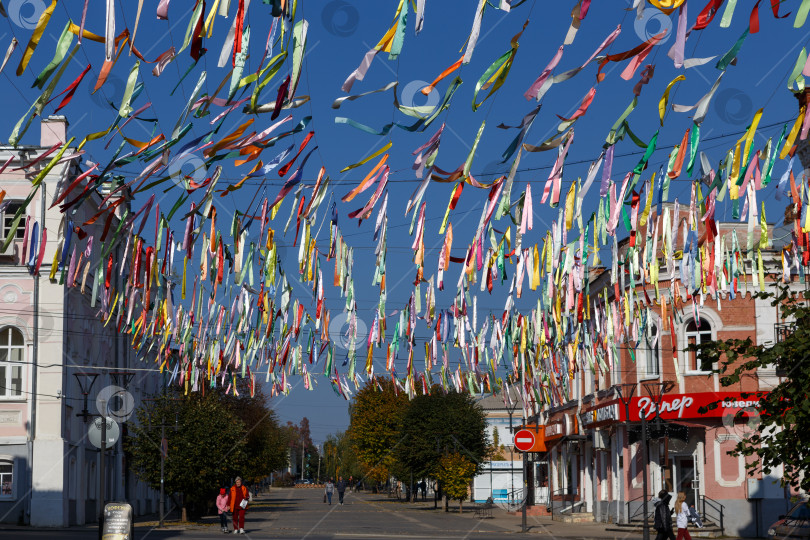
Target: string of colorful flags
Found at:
237, 315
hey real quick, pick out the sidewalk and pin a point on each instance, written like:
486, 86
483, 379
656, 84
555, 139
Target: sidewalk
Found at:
536, 525
145, 522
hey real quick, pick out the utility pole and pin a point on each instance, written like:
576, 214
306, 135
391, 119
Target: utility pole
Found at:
162, 502
318, 448
303, 453
101, 471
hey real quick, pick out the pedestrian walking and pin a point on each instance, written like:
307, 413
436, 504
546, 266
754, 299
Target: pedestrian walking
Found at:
328, 490
663, 517
682, 516
423, 489
240, 496
223, 504
341, 489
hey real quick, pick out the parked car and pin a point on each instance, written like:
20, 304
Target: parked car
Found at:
794, 524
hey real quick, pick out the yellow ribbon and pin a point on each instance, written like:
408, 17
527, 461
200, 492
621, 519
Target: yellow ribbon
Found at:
793, 133
369, 158
35, 37
662, 103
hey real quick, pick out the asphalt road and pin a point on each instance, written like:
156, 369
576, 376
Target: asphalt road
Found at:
301, 514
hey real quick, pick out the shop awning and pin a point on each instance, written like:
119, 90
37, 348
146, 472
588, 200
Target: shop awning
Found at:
686, 423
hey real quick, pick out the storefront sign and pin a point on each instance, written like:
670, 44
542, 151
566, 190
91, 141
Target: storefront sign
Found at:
501, 465
672, 407
604, 414
554, 430
679, 406
567, 425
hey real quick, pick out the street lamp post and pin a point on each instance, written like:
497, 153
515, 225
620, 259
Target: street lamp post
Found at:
511, 411
164, 449
656, 391
303, 453
318, 449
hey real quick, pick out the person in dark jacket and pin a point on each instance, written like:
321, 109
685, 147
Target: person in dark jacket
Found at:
663, 517
341, 489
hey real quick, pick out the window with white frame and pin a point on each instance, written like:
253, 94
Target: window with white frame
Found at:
697, 331
6, 479
8, 218
651, 346
12, 353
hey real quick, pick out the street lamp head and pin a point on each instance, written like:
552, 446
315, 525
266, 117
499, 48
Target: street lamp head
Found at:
656, 390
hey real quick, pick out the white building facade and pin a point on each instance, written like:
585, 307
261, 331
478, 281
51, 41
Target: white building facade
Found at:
54, 349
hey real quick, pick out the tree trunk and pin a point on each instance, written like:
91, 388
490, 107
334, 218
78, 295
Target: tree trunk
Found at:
460, 506
184, 515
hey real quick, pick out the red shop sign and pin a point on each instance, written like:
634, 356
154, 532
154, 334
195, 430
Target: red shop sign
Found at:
677, 406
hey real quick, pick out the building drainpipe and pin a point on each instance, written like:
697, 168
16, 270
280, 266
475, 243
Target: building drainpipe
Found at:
35, 359
120, 441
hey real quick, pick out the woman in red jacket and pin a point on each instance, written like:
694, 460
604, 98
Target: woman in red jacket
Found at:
239, 501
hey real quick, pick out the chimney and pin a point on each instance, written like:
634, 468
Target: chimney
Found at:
53, 129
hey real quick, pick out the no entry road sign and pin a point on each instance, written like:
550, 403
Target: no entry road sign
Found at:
524, 440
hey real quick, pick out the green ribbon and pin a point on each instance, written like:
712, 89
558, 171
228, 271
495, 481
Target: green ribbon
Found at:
62, 46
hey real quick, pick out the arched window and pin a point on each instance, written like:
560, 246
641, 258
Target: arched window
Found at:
697, 331
6, 479
12, 354
652, 351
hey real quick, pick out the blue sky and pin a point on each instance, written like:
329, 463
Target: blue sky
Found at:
341, 32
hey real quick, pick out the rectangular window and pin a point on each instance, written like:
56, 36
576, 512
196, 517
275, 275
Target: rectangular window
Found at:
6, 480
650, 342
697, 332
12, 349
8, 218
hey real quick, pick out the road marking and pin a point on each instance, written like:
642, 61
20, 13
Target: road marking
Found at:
377, 535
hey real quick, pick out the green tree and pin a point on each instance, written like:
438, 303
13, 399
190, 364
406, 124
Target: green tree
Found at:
496, 449
205, 451
783, 434
376, 415
437, 423
265, 441
339, 457
298, 441
456, 472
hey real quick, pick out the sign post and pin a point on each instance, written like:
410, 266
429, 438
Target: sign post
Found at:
525, 489
103, 433
524, 441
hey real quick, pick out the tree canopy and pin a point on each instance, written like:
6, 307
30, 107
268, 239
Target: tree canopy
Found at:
211, 438
375, 427
340, 457
438, 423
205, 451
455, 472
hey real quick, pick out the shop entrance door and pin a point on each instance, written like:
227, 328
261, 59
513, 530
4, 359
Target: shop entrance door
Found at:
541, 482
685, 478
